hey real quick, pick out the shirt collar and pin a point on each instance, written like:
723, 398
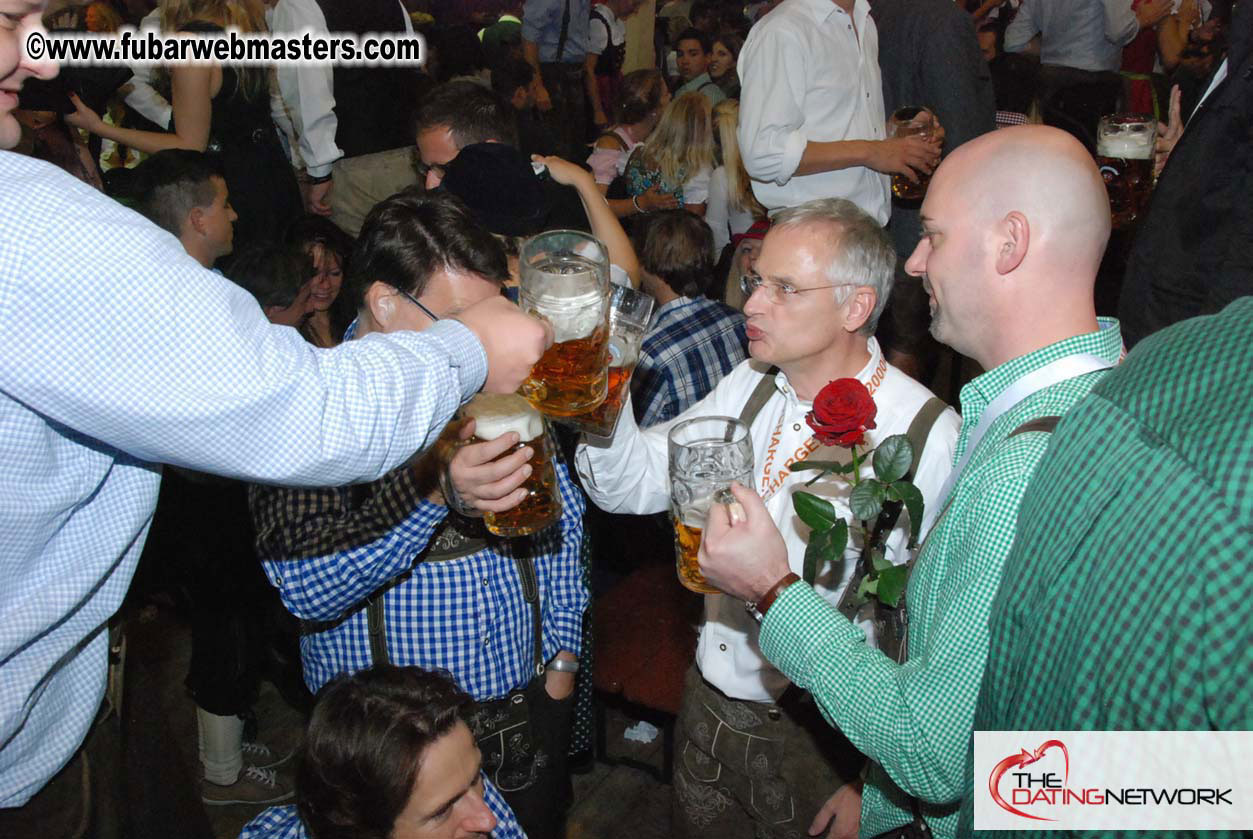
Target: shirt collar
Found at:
1104, 343
865, 375
666, 309
822, 10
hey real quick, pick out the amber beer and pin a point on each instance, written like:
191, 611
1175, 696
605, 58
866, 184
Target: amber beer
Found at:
572, 377
497, 414
686, 547
1126, 164
706, 455
910, 121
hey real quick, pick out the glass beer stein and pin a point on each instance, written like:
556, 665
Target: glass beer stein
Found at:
565, 281
910, 121
497, 414
1124, 154
629, 313
706, 455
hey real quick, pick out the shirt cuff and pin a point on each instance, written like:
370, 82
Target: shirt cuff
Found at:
568, 630
790, 157
800, 626
319, 171
465, 351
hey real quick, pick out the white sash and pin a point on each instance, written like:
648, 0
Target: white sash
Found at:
1050, 374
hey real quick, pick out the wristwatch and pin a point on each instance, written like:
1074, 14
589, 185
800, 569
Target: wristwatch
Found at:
562, 666
758, 608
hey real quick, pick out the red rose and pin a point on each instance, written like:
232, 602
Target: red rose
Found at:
843, 412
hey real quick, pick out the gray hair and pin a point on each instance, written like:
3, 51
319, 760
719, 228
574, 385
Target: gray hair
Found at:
862, 250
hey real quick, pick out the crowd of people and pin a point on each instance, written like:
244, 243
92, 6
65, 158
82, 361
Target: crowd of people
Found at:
288, 280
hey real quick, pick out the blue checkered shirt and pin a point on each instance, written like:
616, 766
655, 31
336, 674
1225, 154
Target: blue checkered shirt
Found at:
284, 822
119, 352
691, 345
325, 551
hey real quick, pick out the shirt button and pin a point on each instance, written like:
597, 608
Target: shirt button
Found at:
796, 427
278, 581
484, 581
722, 647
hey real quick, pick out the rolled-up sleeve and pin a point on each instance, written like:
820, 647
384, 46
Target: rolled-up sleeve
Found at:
772, 114
1121, 26
1022, 28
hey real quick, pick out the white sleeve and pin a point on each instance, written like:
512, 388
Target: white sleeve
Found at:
1121, 26
308, 90
1022, 28
772, 96
143, 96
696, 189
718, 210
597, 37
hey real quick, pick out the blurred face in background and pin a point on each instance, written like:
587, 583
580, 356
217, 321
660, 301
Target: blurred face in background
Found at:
693, 60
721, 61
328, 277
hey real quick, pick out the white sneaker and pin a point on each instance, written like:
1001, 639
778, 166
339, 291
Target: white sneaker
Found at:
254, 786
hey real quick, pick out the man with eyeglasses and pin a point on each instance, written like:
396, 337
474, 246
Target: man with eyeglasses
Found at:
389, 572
753, 755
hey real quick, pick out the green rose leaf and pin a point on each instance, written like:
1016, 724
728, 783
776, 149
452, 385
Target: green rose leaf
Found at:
893, 458
867, 589
814, 511
879, 562
824, 546
866, 499
892, 584
825, 465
912, 497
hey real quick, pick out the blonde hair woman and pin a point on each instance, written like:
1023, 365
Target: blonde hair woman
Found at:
222, 109
677, 158
732, 206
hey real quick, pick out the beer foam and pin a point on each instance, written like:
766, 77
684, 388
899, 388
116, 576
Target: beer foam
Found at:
499, 413
1126, 146
573, 317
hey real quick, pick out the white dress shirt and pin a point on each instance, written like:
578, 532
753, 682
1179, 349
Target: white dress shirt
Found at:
629, 474
308, 90
810, 73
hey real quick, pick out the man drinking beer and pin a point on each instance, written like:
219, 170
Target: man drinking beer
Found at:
387, 573
821, 281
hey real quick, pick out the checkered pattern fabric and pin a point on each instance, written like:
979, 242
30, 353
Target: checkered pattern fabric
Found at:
119, 352
284, 822
914, 720
691, 345
1128, 602
327, 550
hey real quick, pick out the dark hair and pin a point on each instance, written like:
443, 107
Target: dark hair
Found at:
702, 9
732, 41
509, 74
310, 230
170, 183
694, 34
271, 272
410, 236
473, 113
677, 246
364, 746
640, 95
460, 51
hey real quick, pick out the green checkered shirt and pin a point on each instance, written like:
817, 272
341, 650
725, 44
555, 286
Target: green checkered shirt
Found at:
914, 720
1128, 597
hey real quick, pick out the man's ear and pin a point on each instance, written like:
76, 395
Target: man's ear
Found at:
859, 307
380, 301
1014, 241
195, 221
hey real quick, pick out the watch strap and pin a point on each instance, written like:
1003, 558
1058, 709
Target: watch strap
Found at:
763, 605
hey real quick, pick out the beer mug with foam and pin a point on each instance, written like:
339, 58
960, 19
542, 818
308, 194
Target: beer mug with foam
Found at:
706, 455
629, 313
1124, 154
497, 414
565, 281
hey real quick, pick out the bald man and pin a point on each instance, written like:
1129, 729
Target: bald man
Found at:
1014, 225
